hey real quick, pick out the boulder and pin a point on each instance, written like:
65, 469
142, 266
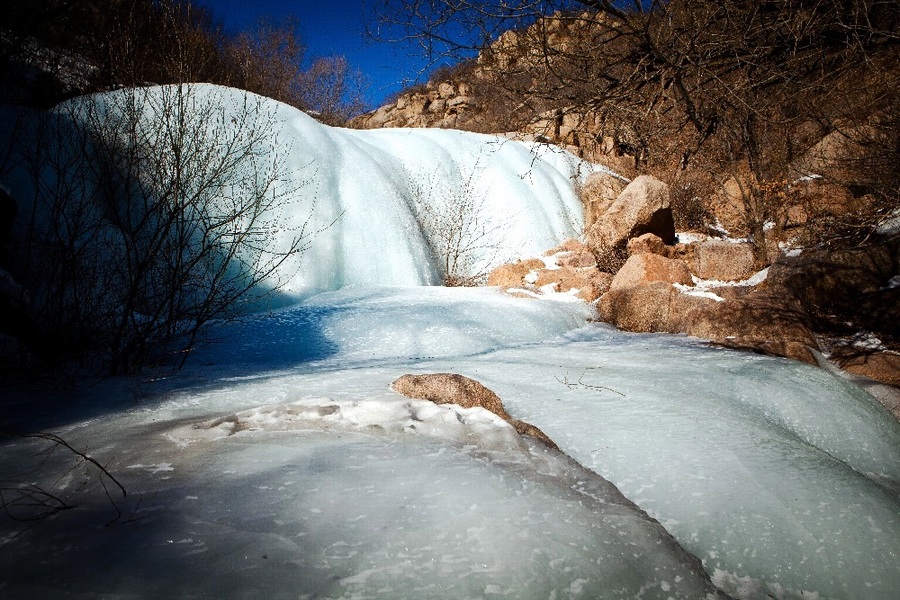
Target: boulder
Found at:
646, 267
573, 253
590, 282
725, 261
838, 156
759, 322
880, 365
756, 321
831, 281
648, 243
640, 308
729, 206
642, 207
452, 388
598, 193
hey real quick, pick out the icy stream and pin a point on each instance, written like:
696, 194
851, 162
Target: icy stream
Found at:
280, 464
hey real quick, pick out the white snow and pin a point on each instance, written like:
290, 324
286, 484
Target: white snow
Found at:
280, 464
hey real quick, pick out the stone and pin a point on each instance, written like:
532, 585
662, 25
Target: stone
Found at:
590, 282
598, 193
641, 308
755, 320
579, 260
646, 268
763, 323
880, 365
446, 90
648, 243
452, 388
642, 207
573, 253
833, 280
460, 102
729, 207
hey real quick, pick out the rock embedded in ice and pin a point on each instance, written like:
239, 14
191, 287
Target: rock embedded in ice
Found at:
453, 388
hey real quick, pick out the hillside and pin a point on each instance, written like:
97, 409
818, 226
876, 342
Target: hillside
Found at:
728, 103
771, 124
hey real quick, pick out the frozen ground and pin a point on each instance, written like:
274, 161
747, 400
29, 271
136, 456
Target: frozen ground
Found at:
280, 464
308, 477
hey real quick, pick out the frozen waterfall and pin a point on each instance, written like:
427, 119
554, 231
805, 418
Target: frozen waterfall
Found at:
280, 464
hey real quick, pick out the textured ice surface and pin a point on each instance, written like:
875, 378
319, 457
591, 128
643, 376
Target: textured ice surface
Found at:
379, 497
781, 477
280, 463
313, 477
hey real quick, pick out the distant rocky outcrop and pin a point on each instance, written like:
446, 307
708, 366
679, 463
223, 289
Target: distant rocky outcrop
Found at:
445, 104
452, 388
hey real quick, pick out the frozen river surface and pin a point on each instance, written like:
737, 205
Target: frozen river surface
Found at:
273, 468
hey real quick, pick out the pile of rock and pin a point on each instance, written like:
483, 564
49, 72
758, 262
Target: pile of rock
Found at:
569, 269
643, 279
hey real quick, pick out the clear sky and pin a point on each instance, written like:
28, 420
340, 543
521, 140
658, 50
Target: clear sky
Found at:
330, 27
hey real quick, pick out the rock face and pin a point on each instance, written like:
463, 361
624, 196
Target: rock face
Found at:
759, 322
836, 280
762, 322
725, 261
641, 308
451, 388
642, 207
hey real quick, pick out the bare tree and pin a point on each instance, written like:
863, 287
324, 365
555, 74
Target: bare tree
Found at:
267, 60
332, 90
153, 214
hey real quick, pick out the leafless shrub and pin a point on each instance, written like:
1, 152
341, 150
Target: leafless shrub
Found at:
153, 214
462, 235
689, 202
332, 90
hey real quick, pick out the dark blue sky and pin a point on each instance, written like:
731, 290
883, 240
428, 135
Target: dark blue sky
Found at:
329, 28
